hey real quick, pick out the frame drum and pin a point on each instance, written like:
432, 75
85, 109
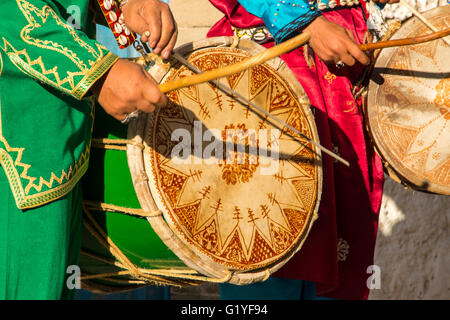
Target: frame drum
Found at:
408, 107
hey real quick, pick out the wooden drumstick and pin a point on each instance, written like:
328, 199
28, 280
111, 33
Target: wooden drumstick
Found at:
278, 50
254, 61
422, 18
405, 41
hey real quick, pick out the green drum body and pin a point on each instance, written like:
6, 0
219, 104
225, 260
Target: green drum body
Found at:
108, 181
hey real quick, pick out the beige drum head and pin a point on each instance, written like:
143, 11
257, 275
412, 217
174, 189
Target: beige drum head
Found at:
240, 212
409, 106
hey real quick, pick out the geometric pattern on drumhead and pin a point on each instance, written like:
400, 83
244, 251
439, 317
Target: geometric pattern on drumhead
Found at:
240, 207
412, 107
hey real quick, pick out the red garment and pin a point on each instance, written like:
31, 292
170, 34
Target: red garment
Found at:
351, 199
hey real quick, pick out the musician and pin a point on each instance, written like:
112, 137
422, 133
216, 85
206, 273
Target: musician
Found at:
51, 72
336, 257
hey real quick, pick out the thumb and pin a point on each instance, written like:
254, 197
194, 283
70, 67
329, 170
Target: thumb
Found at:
151, 92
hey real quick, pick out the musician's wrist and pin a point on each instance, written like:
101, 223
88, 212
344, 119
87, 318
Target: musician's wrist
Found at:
316, 24
98, 85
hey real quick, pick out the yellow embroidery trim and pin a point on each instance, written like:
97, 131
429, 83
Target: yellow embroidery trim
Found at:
25, 64
25, 201
1, 71
352, 105
330, 77
96, 72
36, 68
64, 176
28, 10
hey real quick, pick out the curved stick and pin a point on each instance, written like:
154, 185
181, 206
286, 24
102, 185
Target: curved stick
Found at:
285, 47
258, 59
405, 42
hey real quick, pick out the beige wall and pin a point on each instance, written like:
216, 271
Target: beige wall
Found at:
413, 245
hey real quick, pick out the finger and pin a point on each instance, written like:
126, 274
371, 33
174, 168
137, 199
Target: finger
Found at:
168, 28
329, 59
358, 54
145, 36
350, 35
153, 21
347, 59
122, 114
152, 99
146, 106
135, 23
354, 50
155, 97
168, 49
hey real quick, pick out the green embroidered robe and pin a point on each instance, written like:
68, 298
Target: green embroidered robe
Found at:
46, 115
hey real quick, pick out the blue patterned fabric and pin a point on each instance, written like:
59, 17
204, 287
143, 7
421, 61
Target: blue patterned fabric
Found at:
147, 293
284, 18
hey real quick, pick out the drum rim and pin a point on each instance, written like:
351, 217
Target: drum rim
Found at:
384, 57
192, 256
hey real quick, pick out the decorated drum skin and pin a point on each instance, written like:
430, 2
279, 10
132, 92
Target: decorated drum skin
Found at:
408, 107
231, 194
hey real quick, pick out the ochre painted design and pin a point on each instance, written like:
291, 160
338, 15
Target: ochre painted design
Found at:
234, 213
243, 165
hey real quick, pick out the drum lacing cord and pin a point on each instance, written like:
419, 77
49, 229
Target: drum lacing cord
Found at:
106, 241
101, 206
120, 145
115, 144
157, 276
